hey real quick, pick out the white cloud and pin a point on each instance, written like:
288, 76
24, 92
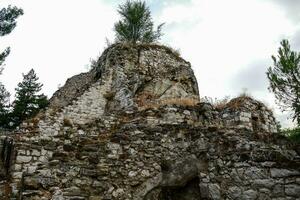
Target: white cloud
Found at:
57, 39
225, 37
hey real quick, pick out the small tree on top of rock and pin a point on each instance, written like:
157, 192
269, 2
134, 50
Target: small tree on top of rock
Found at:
136, 24
284, 79
28, 102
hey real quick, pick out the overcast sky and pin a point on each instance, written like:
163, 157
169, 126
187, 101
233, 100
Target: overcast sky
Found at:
228, 42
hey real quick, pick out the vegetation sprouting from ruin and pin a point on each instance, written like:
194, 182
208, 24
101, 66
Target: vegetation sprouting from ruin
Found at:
136, 24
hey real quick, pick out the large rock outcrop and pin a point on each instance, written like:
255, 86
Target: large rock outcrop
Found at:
133, 128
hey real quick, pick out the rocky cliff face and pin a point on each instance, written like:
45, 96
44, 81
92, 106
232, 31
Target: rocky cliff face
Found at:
133, 128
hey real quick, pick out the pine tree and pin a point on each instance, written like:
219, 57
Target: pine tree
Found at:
136, 24
4, 107
3, 55
28, 100
8, 22
284, 79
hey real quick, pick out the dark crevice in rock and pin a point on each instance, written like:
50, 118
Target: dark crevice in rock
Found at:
190, 191
6, 153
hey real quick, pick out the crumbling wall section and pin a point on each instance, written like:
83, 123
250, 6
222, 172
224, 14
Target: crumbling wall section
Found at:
149, 154
139, 132
250, 114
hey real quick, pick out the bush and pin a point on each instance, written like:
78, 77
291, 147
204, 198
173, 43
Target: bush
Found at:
293, 134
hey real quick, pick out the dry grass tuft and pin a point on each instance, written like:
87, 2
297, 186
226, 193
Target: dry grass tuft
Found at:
35, 121
144, 99
176, 52
170, 101
239, 101
67, 122
218, 104
180, 101
109, 95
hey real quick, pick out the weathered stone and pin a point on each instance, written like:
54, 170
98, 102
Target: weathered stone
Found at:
35, 153
204, 191
214, 191
118, 192
278, 191
17, 175
23, 159
95, 198
234, 192
72, 191
57, 194
88, 172
17, 167
249, 195
145, 173
255, 173
277, 173
31, 169
31, 183
132, 174
265, 183
292, 190
264, 196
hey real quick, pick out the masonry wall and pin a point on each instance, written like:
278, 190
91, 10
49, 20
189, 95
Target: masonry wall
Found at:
135, 157
139, 132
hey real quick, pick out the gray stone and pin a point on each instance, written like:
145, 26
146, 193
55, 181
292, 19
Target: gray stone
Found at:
292, 190
249, 195
234, 192
23, 159
118, 192
214, 191
265, 183
278, 191
204, 191
255, 173
264, 196
277, 173
17, 175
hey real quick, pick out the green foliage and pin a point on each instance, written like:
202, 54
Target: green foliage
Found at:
284, 78
136, 24
4, 98
292, 134
3, 55
8, 22
4, 106
28, 102
8, 18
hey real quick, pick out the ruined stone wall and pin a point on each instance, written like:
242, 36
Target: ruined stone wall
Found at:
139, 132
153, 154
250, 114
